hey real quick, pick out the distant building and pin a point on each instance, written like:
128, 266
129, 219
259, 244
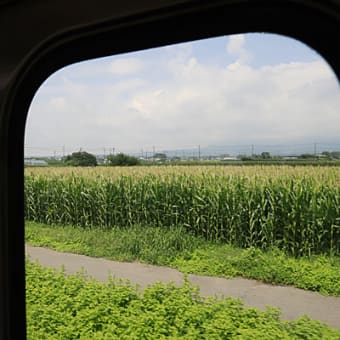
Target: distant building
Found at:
229, 159
290, 157
35, 162
101, 159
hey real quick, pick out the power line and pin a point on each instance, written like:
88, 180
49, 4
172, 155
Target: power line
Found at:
233, 149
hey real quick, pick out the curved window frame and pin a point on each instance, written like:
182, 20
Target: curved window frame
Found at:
315, 23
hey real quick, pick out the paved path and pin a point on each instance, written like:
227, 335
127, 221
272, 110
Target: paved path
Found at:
292, 301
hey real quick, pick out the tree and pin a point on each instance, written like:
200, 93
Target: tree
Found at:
306, 156
160, 156
331, 154
335, 154
266, 155
81, 158
326, 154
122, 160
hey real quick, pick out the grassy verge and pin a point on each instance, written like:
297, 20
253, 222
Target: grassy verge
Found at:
190, 254
71, 307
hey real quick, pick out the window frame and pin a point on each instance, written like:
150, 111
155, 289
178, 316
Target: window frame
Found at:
315, 23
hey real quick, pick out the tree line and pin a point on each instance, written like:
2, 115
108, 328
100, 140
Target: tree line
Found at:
83, 158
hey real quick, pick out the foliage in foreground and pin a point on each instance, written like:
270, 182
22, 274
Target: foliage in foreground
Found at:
300, 214
61, 307
191, 254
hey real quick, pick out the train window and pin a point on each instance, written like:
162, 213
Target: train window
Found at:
217, 157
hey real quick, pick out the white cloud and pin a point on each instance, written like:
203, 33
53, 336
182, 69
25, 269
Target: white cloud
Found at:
125, 66
190, 103
235, 44
59, 103
128, 85
236, 47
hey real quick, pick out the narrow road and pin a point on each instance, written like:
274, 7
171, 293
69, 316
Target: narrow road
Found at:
293, 302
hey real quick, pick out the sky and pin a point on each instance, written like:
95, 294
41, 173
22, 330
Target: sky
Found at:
245, 89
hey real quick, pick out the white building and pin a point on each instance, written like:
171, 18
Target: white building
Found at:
36, 162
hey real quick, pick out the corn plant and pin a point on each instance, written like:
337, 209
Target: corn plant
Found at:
297, 211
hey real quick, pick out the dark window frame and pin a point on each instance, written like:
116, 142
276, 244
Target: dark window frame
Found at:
316, 23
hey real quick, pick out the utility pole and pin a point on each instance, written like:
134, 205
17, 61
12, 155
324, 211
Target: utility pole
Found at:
63, 151
199, 152
142, 153
252, 150
153, 154
113, 151
314, 149
104, 153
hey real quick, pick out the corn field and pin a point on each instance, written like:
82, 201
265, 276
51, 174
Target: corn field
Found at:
295, 209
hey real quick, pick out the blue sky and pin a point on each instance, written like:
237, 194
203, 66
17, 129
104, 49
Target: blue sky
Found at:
236, 90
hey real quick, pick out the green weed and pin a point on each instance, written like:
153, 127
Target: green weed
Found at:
73, 307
